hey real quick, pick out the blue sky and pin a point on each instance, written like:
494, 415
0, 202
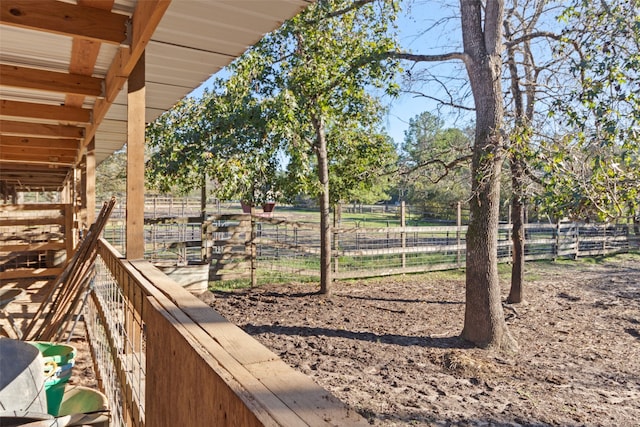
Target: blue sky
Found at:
444, 37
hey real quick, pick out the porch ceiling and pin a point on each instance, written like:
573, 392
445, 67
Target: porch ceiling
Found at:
64, 67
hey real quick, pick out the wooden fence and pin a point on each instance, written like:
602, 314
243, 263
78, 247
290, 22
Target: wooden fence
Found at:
261, 248
293, 249
35, 239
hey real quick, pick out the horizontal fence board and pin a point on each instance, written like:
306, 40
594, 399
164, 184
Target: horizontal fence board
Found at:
173, 220
282, 245
399, 251
401, 230
23, 273
33, 247
34, 207
28, 222
359, 274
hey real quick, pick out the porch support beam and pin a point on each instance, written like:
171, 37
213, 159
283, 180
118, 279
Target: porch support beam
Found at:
135, 161
90, 182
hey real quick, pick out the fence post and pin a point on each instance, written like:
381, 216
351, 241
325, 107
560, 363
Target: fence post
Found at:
403, 236
458, 232
556, 245
253, 251
509, 234
337, 217
577, 240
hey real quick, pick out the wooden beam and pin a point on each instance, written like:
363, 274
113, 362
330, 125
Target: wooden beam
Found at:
37, 158
84, 53
90, 181
135, 161
17, 168
49, 151
51, 81
145, 19
9, 127
35, 143
67, 19
43, 111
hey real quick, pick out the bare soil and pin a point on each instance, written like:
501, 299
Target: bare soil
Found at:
390, 347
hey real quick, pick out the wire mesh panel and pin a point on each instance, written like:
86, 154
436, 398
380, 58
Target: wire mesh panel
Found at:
381, 251
117, 338
287, 250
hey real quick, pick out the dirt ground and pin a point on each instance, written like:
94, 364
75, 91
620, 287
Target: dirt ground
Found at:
389, 347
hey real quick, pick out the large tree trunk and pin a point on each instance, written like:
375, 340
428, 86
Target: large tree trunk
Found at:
325, 217
484, 323
517, 235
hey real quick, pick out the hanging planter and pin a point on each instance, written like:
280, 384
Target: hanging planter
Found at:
268, 207
246, 207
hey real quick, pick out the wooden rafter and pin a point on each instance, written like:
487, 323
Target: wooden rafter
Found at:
43, 111
37, 159
52, 151
36, 143
84, 53
145, 19
9, 127
64, 18
51, 81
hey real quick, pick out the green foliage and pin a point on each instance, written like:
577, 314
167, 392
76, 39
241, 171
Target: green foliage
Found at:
111, 176
178, 155
592, 171
311, 78
435, 162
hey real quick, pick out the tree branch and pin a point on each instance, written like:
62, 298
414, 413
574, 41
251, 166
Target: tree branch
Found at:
531, 36
336, 13
430, 58
447, 166
440, 101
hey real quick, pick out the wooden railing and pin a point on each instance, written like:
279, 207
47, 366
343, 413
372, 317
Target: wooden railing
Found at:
171, 360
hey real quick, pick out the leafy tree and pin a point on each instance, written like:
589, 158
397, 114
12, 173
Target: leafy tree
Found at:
482, 47
200, 139
176, 139
111, 176
528, 60
435, 162
311, 77
591, 169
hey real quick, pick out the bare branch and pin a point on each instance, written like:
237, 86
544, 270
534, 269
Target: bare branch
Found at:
446, 166
429, 58
531, 36
440, 101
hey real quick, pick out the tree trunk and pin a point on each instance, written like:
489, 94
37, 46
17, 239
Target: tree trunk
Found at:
325, 215
517, 235
484, 323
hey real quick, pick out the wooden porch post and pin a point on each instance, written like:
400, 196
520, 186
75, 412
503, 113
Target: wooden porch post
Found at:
135, 161
90, 181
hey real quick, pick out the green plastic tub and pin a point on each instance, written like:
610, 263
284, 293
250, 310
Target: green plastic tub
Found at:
61, 354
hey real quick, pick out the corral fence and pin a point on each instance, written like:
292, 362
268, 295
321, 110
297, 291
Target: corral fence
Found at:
292, 249
261, 249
